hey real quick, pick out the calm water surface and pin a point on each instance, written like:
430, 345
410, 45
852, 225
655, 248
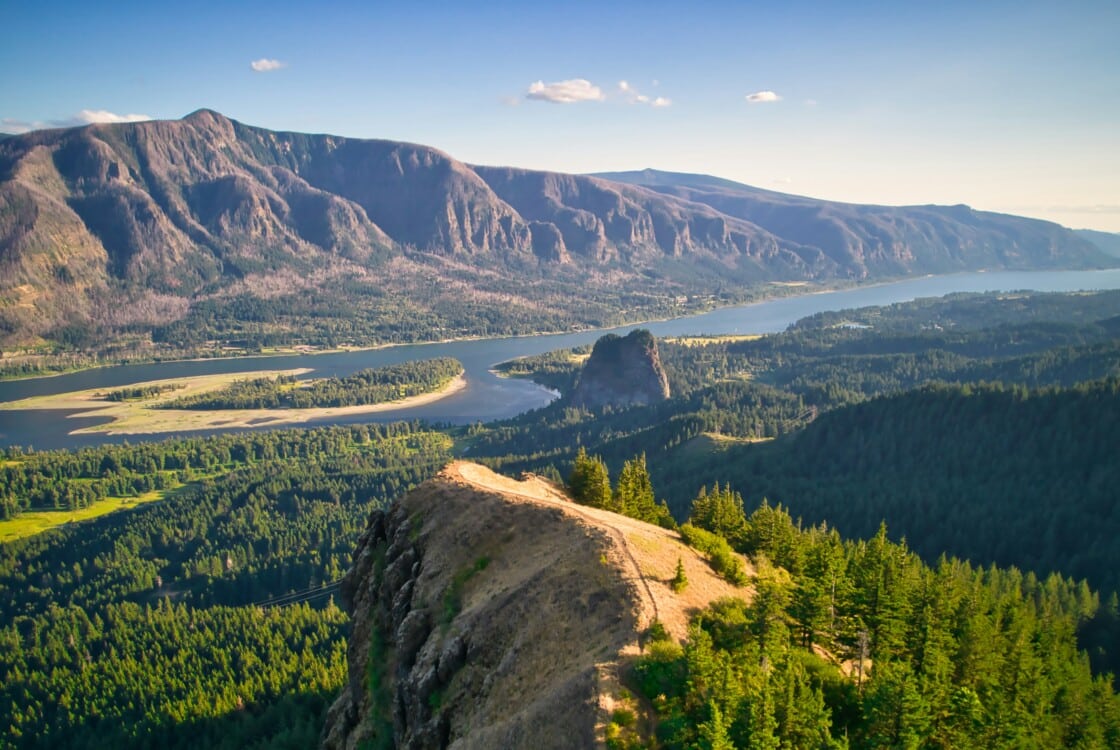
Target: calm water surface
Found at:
487, 396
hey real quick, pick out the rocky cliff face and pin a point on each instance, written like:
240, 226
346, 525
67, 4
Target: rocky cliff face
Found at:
490, 613
622, 371
163, 212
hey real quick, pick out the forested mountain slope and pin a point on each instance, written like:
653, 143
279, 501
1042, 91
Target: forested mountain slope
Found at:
862, 434
988, 473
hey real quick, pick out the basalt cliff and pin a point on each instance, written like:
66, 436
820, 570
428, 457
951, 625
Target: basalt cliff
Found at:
128, 227
622, 371
488, 612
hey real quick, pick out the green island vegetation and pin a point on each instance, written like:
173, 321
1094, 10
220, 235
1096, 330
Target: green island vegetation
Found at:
140, 393
372, 386
978, 427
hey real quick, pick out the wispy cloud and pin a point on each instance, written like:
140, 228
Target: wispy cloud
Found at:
634, 96
763, 97
12, 125
266, 65
84, 117
90, 116
566, 92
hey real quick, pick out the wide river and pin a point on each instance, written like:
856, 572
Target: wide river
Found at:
487, 396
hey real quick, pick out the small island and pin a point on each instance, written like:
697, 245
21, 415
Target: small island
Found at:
364, 388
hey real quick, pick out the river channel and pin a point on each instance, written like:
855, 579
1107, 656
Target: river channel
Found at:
488, 397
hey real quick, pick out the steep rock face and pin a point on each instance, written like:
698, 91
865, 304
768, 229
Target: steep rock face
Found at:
490, 613
513, 664
130, 223
604, 221
622, 371
867, 241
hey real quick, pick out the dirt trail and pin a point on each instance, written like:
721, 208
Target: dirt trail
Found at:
647, 553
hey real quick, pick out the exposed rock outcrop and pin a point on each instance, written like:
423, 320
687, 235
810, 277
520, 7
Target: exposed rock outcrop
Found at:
205, 204
622, 371
491, 613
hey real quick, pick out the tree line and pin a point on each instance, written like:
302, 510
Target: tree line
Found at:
371, 386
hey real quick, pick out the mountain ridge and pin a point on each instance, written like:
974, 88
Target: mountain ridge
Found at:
489, 612
129, 226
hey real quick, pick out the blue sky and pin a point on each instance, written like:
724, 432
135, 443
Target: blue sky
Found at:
1005, 106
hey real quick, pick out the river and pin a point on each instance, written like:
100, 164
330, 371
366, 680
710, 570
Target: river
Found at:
488, 397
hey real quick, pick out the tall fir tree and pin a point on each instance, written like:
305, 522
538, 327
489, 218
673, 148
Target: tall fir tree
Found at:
590, 482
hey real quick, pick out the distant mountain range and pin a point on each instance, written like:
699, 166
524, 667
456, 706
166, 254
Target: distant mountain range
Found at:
132, 224
1108, 242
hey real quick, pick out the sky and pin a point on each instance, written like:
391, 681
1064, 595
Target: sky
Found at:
1011, 107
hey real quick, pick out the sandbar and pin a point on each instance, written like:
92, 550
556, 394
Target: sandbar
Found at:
141, 418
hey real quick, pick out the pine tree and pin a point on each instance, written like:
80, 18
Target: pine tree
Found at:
590, 482
721, 512
634, 495
713, 732
680, 580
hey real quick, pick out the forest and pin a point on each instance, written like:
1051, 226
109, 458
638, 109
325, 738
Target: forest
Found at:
980, 614
857, 644
207, 619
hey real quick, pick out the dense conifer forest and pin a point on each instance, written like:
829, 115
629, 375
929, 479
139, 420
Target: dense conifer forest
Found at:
206, 619
980, 428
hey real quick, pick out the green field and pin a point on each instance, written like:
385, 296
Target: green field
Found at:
30, 523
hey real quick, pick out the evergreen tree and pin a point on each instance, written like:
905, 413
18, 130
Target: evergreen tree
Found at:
634, 495
713, 732
721, 512
590, 482
680, 580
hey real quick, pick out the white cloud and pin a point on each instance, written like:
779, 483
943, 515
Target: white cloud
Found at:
763, 97
90, 116
633, 96
84, 117
565, 92
265, 65
12, 125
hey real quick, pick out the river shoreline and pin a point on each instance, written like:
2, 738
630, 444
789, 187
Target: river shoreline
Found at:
486, 397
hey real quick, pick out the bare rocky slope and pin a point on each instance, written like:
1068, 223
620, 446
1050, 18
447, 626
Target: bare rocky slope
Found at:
131, 224
488, 612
